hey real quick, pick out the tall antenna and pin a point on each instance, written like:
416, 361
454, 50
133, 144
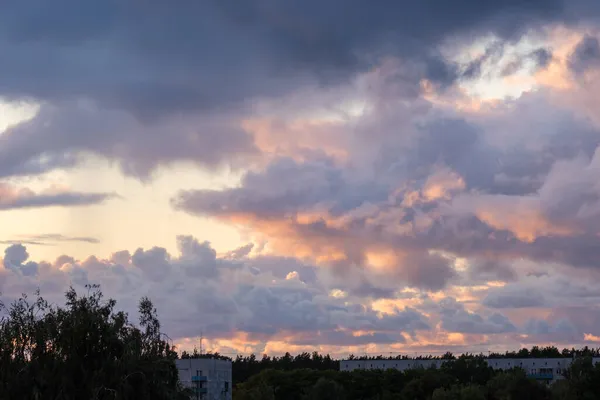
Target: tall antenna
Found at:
201, 340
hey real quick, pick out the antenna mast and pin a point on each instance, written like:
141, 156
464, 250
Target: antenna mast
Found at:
201, 340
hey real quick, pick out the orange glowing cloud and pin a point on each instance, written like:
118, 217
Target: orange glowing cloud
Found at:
520, 215
293, 139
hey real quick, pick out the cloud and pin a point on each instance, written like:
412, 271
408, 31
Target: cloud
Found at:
156, 59
455, 318
15, 258
12, 197
507, 298
48, 239
224, 295
123, 83
585, 55
59, 133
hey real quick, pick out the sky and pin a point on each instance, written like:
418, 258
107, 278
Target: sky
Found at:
345, 176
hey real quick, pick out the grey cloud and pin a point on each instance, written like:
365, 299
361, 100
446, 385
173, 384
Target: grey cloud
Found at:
205, 54
285, 187
19, 198
585, 55
149, 86
15, 257
508, 298
224, 298
242, 251
57, 237
561, 331
48, 239
280, 267
154, 262
455, 318
540, 58
543, 327
492, 270
58, 132
427, 271
492, 55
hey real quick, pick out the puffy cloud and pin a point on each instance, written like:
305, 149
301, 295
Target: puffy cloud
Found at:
200, 291
15, 258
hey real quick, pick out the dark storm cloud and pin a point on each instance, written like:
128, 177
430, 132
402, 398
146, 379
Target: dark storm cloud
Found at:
140, 62
152, 57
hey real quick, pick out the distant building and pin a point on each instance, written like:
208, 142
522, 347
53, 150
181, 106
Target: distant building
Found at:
543, 369
209, 378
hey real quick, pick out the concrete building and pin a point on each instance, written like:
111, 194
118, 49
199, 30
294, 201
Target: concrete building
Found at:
209, 378
543, 369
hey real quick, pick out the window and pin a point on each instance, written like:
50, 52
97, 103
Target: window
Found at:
346, 365
226, 388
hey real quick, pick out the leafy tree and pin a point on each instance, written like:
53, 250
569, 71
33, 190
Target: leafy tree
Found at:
84, 351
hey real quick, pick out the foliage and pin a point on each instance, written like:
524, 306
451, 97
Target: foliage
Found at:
462, 378
245, 367
196, 354
84, 351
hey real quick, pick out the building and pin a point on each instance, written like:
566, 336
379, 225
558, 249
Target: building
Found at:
209, 378
543, 369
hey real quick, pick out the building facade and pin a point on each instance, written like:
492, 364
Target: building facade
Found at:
209, 378
543, 369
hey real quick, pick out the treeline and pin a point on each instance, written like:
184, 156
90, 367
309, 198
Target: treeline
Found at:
458, 379
85, 350
534, 352
245, 367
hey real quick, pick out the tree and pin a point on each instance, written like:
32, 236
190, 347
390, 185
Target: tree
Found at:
84, 351
325, 389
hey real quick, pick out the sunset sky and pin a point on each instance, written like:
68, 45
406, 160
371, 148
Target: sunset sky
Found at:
347, 176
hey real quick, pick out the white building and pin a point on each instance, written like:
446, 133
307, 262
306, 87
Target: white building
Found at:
545, 369
209, 378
